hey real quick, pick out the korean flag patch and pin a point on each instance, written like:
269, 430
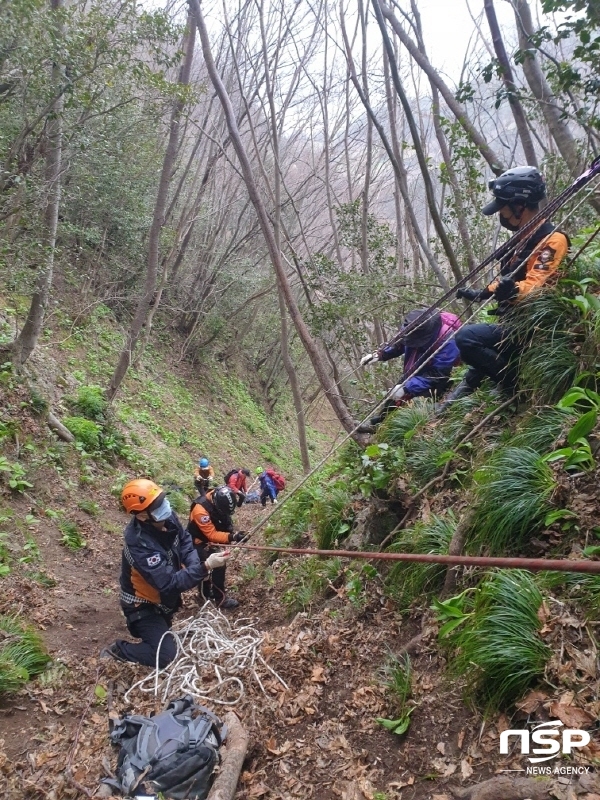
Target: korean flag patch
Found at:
205, 519
153, 561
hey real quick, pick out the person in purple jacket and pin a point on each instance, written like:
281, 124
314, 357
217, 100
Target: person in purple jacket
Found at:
430, 348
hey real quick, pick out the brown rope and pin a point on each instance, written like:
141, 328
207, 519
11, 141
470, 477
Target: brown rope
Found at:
530, 564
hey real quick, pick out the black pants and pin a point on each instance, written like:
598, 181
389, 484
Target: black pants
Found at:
213, 588
487, 351
150, 629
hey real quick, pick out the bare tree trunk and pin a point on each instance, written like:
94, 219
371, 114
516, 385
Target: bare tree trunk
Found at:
431, 202
397, 165
459, 112
511, 90
461, 217
294, 384
148, 296
364, 233
561, 133
27, 339
285, 350
310, 345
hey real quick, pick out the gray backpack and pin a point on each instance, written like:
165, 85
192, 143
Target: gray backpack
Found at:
174, 752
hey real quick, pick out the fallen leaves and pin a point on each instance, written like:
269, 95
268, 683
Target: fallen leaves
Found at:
571, 716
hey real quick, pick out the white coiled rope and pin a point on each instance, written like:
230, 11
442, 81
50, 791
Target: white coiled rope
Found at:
212, 653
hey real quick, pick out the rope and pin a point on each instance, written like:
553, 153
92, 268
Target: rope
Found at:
531, 564
213, 656
594, 170
516, 243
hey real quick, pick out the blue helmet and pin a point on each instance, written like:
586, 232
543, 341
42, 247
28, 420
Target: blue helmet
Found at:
203, 463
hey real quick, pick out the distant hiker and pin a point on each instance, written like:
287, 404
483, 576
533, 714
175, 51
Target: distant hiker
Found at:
204, 476
428, 336
159, 562
211, 523
486, 348
237, 479
271, 483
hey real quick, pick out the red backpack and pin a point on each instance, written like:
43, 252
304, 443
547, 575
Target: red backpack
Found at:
277, 479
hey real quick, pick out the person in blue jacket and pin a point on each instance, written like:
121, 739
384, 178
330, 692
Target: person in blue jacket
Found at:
159, 562
267, 487
431, 337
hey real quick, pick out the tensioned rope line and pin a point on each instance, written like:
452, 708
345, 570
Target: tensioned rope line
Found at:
516, 243
531, 564
379, 405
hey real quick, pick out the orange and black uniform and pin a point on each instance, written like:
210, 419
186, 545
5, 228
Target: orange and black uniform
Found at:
539, 259
156, 567
486, 348
207, 526
203, 477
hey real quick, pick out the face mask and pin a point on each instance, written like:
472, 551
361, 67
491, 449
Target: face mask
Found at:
161, 513
510, 226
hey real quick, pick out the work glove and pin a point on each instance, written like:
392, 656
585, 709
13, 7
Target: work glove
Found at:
240, 536
216, 560
370, 358
506, 290
275, 502
473, 295
397, 393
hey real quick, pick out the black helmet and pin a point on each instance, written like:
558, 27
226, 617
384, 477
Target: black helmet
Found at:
518, 186
224, 500
425, 331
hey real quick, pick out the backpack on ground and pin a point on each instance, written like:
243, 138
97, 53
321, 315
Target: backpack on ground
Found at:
174, 752
228, 475
277, 479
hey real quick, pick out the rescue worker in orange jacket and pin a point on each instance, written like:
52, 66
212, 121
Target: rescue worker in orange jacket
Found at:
204, 475
486, 348
211, 523
159, 562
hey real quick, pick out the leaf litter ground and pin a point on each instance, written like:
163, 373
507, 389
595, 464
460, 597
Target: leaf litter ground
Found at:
317, 739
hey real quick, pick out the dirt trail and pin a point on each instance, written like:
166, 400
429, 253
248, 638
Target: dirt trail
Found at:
318, 740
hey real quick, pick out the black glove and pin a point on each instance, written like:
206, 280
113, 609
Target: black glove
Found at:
239, 537
506, 290
473, 294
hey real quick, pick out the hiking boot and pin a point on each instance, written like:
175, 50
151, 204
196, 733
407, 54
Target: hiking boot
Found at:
460, 390
365, 428
113, 652
228, 604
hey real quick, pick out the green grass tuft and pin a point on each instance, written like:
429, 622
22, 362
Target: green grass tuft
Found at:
22, 654
512, 499
498, 649
407, 581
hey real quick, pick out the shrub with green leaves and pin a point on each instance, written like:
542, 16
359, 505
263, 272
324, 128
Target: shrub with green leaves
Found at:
498, 649
407, 581
511, 501
90, 402
71, 537
22, 654
293, 518
84, 431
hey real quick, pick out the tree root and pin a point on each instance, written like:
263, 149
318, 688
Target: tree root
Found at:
234, 753
505, 788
